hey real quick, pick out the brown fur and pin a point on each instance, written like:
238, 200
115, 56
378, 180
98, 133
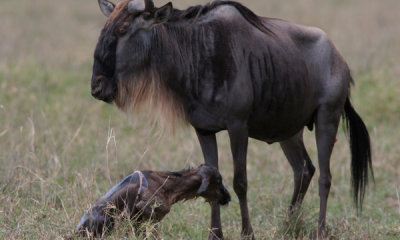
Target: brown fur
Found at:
149, 92
161, 191
119, 8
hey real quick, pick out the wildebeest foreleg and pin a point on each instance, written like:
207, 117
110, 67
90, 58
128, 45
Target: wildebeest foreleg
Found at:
302, 166
238, 135
208, 143
327, 122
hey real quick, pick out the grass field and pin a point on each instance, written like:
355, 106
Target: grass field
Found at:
60, 149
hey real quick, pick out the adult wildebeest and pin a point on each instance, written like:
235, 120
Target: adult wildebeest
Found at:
221, 67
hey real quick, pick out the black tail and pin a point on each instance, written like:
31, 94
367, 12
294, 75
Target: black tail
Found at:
360, 152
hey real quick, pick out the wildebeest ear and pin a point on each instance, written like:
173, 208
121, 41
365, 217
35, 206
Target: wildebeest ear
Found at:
106, 7
163, 13
205, 181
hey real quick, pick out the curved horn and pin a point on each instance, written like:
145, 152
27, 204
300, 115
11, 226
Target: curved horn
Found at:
149, 5
135, 6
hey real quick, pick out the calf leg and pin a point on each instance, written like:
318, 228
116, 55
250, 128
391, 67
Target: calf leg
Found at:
302, 166
327, 122
208, 145
238, 135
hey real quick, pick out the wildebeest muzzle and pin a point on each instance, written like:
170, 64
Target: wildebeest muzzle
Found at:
103, 88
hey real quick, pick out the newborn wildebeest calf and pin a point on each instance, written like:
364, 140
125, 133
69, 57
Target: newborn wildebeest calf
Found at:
138, 194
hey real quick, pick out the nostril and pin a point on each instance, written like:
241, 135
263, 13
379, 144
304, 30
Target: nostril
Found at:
95, 92
98, 80
103, 88
97, 83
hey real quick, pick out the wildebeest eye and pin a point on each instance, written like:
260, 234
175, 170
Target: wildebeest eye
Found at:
121, 30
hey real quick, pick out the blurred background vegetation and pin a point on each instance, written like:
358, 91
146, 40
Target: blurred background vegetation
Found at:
60, 149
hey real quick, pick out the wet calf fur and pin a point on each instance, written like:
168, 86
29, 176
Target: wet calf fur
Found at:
149, 195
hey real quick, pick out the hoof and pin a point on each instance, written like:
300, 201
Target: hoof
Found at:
318, 235
248, 237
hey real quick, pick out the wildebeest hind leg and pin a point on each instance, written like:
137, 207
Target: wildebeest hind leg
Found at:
326, 125
302, 166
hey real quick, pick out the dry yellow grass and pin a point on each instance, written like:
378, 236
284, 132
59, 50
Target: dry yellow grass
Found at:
60, 149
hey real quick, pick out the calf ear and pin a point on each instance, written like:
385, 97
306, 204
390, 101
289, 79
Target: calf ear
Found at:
204, 185
163, 13
106, 7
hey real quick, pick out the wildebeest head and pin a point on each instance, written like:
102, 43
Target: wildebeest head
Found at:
211, 187
124, 44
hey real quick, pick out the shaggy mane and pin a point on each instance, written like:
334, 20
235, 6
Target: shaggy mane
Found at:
148, 92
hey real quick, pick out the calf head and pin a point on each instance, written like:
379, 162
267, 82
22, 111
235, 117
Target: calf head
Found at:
211, 187
95, 222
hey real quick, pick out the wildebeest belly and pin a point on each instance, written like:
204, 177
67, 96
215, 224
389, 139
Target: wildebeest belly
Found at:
282, 107
281, 115
274, 128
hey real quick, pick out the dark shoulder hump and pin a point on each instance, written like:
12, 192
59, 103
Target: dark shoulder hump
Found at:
249, 15
195, 11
